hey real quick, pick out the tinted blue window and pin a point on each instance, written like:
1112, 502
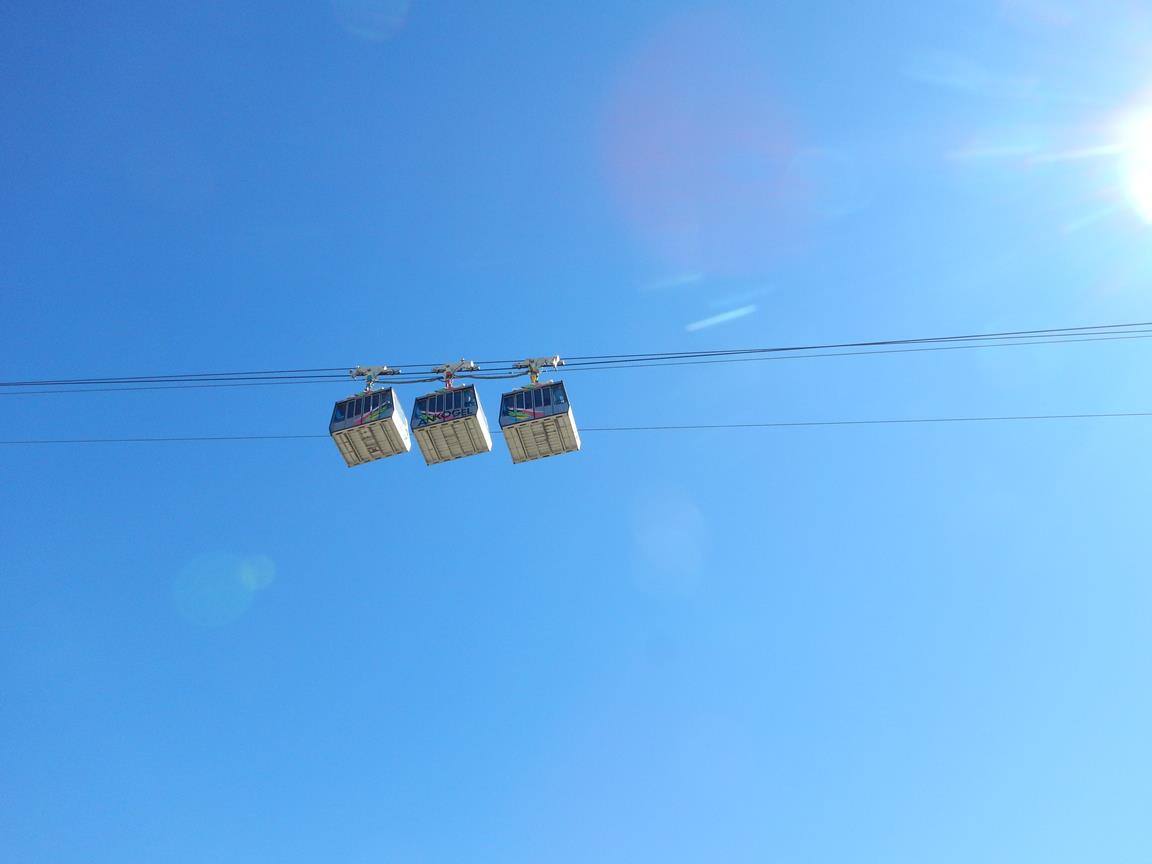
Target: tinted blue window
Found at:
338, 412
558, 394
538, 397
547, 393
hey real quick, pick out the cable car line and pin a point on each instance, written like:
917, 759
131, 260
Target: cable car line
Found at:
1033, 334
718, 357
652, 428
705, 362
333, 374
132, 389
480, 377
161, 379
160, 439
877, 422
986, 340
573, 361
200, 384
193, 386
536, 419
990, 342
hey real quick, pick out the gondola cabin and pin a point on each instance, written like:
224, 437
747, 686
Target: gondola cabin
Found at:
450, 424
537, 422
369, 426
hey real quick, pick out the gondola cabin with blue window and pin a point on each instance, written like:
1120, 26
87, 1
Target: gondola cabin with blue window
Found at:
369, 426
450, 424
537, 422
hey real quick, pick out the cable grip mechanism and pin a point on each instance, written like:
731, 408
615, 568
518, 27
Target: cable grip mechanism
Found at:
450, 370
371, 373
535, 365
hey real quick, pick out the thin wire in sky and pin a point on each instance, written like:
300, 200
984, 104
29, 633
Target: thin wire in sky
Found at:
417, 371
778, 424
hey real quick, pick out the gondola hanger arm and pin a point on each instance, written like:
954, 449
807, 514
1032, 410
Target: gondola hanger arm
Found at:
450, 370
371, 373
535, 365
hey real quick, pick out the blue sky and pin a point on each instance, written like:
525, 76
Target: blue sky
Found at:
889, 644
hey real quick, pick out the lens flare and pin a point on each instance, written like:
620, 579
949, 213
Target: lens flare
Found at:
372, 20
216, 589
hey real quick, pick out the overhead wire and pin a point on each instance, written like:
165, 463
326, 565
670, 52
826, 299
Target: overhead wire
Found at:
797, 351
863, 348
782, 424
759, 359
1005, 334
704, 361
190, 386
483, 377
329, 372
603, 362
419, 373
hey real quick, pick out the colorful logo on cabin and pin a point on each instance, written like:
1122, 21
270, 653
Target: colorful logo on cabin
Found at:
373, 416
427, 418
521, 414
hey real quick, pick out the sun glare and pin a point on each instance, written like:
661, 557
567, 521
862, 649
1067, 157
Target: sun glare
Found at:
1136, 144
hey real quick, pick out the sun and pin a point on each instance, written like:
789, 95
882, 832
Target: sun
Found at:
1135, 140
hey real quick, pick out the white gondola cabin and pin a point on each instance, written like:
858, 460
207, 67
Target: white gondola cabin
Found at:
450, 424
369, 426
537, 422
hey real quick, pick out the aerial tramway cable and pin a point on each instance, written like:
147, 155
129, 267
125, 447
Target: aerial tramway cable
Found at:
781, 424
420, 372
